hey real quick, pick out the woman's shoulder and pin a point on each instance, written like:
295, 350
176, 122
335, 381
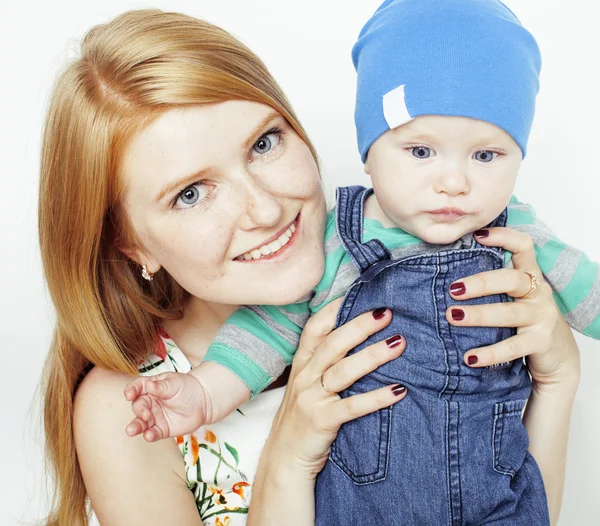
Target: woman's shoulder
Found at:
101, 414
101, 393
101, 380
112, 463
101, 410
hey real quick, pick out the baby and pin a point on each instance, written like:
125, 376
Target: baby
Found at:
445, 102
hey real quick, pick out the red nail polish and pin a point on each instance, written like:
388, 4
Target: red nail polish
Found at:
484, 232
398, 389
458, 288
472, 360
379, 313
457, 314
394, 341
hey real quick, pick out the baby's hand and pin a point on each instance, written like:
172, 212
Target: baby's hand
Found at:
166, 405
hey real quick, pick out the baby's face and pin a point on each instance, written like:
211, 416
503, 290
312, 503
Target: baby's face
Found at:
440, 178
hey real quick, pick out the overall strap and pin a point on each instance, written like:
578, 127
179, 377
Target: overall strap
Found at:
349, 224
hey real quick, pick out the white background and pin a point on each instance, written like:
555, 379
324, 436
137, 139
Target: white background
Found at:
306, 44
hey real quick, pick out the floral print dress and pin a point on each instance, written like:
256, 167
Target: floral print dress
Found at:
220, 459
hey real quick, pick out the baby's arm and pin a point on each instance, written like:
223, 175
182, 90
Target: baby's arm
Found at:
574, 278
250, 351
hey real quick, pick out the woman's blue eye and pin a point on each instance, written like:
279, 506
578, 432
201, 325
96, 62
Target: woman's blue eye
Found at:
421, 152
263, 145
485, 156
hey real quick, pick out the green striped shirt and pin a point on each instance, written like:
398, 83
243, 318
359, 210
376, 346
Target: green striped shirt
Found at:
258, 342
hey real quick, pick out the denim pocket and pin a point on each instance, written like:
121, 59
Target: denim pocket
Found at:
362, 446
510, 438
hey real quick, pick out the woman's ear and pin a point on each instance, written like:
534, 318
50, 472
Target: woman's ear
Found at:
141, 258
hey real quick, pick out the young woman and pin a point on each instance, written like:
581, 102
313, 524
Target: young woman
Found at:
169, 152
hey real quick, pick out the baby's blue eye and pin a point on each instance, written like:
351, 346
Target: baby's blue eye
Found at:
190, 195
484, 156
421, 152
263, 145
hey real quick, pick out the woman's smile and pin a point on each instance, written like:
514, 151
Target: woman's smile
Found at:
276, 247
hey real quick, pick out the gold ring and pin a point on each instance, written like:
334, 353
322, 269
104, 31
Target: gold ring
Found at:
533, 284
327, 390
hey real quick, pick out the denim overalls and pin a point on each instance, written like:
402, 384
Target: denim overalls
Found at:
454, 451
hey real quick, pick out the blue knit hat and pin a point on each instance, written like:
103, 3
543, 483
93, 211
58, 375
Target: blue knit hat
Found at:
468, 58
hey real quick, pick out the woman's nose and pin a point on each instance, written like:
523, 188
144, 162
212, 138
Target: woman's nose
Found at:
260, 207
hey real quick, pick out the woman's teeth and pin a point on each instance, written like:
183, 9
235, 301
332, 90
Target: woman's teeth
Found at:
272, 247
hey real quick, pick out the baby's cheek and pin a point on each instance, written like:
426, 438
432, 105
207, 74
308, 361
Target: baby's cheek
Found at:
495, 203
398, 209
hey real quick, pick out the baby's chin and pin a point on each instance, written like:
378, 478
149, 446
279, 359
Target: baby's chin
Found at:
443, 233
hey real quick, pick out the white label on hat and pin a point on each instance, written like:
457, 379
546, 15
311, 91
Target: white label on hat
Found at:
394, 108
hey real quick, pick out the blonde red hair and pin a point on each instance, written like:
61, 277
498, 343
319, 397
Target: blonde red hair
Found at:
129, 71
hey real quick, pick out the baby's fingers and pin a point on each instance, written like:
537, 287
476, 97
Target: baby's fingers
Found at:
163, 386
134, 388
153, 434
136, 427
159, 389
139, 426
142, 407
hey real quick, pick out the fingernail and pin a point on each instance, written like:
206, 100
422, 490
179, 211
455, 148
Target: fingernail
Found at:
394, 341
379, 313
472, 360
458, 288
398, 389
484, 232
457, 314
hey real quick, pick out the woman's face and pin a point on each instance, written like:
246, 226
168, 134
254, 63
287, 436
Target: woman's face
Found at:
213, 194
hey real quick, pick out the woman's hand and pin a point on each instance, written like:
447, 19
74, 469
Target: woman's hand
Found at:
543, 337
311, 412
537, 318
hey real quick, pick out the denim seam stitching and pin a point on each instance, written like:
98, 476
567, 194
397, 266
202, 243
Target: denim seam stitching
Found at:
453, 457
347, 305
499, 422
375, 476
448, 485
458, 455
437, 325
455, 346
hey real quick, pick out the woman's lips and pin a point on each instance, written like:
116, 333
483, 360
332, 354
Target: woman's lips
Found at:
276, 246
